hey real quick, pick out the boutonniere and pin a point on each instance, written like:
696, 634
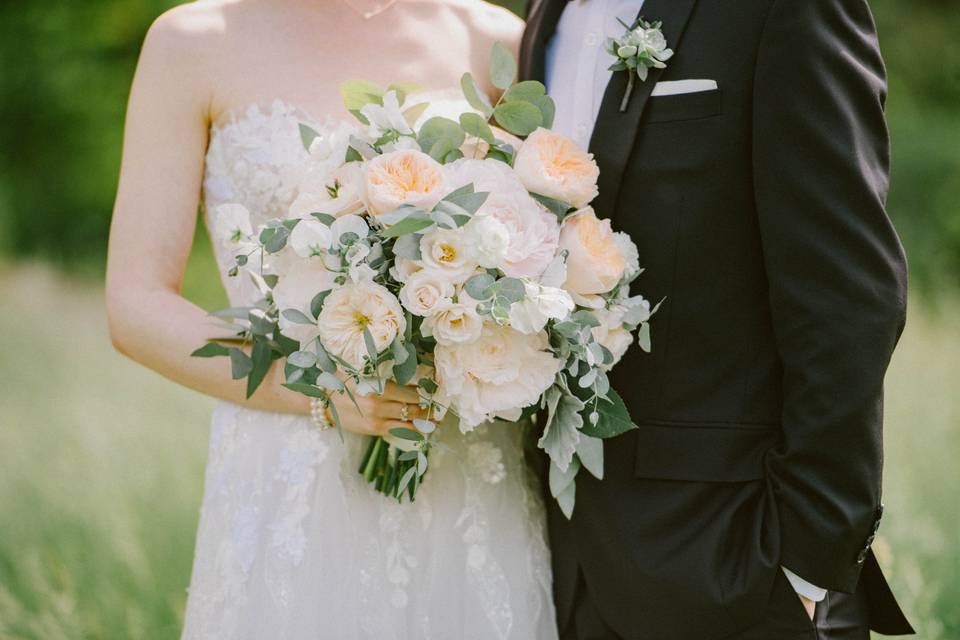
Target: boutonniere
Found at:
641, 47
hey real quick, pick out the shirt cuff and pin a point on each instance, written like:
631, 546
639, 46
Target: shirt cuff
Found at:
804, 588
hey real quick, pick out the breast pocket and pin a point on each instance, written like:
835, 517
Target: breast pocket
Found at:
683, 106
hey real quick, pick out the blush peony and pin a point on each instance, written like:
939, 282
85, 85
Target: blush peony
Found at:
497, 375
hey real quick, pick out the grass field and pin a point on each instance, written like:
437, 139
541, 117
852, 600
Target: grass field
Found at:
101, 467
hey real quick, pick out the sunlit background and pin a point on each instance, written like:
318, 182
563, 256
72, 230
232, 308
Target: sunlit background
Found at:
101, 462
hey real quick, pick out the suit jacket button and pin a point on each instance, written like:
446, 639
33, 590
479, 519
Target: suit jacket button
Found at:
869, 542
862, 557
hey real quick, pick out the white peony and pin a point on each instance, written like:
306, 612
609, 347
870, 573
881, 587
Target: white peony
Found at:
296, 289
532, 230
338, 193
539, 305
310, 238
449, 252
349, 310
426, 292
454, 323
497, 375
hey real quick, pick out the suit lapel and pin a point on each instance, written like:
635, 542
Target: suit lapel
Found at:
615, 133
542, 19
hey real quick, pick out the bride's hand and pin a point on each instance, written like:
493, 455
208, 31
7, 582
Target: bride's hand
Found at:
378, 413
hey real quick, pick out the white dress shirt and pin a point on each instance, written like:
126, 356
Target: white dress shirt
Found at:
576, 77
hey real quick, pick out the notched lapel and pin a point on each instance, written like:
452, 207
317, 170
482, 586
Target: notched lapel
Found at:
615, 133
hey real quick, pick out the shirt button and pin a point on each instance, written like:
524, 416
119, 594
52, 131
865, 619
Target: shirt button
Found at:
591, 40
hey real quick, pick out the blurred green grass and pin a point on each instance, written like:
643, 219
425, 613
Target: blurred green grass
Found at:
102, 469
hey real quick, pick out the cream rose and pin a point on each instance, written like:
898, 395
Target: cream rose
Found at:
455, 323
496, 375
403, 177
553, 165
532, 231
353, 307
426, 292
595, 260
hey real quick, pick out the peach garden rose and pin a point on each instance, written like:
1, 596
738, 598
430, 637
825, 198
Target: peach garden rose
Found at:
553, 165
403, 177
595, 260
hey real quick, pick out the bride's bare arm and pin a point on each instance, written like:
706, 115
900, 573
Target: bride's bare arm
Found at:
154, 220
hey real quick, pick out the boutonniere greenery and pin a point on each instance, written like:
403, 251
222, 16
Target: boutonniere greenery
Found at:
641, 47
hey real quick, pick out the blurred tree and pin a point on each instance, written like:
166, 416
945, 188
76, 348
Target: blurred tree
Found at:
65, 69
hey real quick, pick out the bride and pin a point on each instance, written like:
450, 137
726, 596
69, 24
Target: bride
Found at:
292, 542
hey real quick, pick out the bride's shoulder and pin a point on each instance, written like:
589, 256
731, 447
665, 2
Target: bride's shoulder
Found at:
488, 21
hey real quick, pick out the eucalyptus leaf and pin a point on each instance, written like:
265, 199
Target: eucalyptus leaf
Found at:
329, 382
302, 359
519, 118
296, 316
477, 126
548, 109
559, 208
527, 91
261, 357
425, 426
210, 350
439, 129
407, 434
503, 68
476, 286
559, 479
411, 224
236, 313
475, 96
643, 337
370, 344
306, 389
511, 289
240, 363
404, 371
405, 480
316, 304
469, 202
323, 359
421, 463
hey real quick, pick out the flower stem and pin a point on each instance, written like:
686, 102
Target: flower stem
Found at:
626, 94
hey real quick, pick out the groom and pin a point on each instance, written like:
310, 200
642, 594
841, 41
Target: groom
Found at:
751, 172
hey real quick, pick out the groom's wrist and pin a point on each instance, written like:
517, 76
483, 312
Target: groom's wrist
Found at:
804, 588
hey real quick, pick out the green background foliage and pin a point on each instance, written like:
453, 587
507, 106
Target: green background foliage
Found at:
101, 461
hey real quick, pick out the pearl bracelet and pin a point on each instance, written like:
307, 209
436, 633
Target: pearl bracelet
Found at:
319, 415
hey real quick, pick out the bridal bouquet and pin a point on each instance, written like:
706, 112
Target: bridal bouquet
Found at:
449, 254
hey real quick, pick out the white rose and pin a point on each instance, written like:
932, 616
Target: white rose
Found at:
552, 165
498, 374
232, 224
296, 289
490, 239
353, 307
454, 323
539, 305
403, 268
310, 238
338, 193
403, 177
533, 231
449, 252
426, 292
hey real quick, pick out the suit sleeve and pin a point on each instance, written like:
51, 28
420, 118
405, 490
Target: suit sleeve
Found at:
836, 274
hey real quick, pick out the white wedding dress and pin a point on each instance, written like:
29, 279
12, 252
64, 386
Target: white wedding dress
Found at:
293, 544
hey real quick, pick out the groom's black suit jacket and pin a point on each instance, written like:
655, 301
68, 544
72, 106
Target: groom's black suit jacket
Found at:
758, 210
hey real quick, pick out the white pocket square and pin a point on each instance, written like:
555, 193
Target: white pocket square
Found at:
673, 87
